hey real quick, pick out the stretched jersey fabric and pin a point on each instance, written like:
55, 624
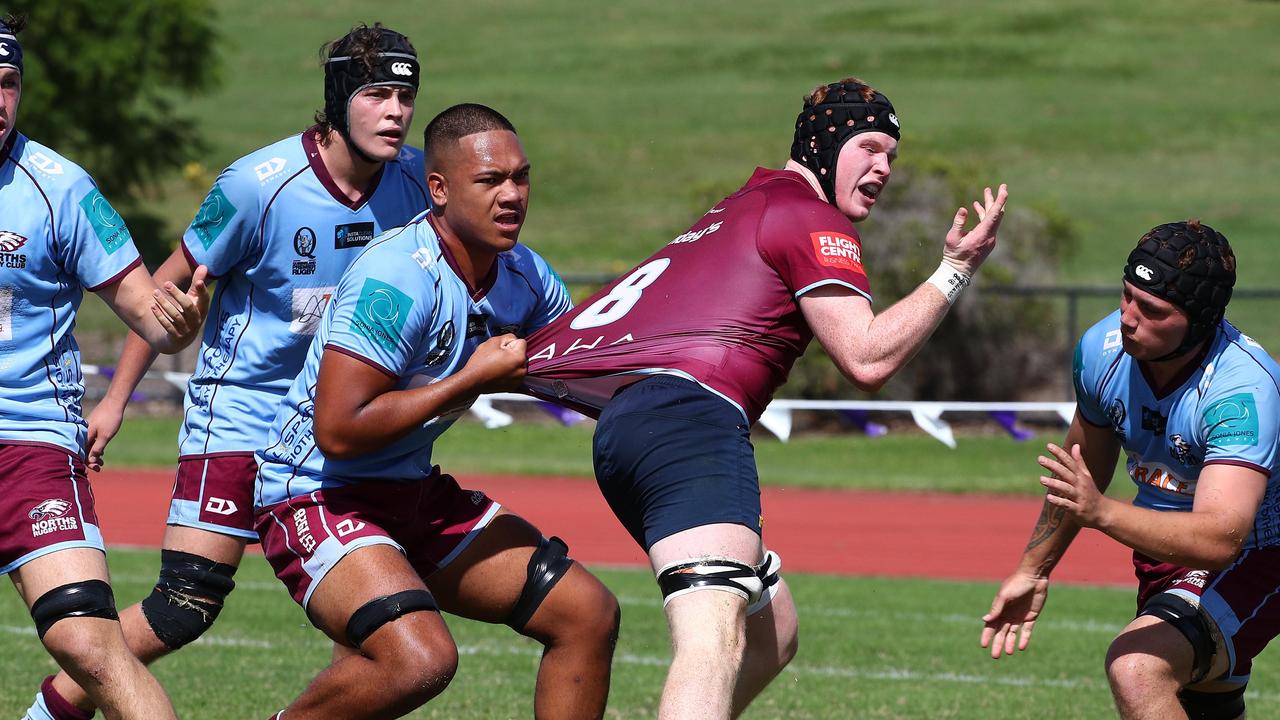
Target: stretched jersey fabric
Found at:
717, 305
278, 233
58, 235
403, 309
1226, 409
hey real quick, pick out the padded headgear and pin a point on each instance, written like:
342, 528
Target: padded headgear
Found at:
396, 64
1190, 265
823, 127
10, 49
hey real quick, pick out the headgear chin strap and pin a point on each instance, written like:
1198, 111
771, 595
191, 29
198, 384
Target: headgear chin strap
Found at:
823, 128
10, 49
396, 64
1190, 265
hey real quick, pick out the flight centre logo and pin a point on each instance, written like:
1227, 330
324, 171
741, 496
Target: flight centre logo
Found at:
304, 243
352, 235
837, 250
51, 516
10, 241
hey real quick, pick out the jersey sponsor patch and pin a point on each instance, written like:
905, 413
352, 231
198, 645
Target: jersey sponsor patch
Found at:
352, 235
213, 217
837, 250
381, 313
105, 221
308, 308
1232, 421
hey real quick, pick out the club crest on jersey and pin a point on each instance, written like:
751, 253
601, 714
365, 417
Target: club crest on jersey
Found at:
51, 516
444, 344
1116, 414
1181, 451
304, 243
10, 241
837, 250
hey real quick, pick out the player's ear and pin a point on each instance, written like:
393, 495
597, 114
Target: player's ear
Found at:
438, 187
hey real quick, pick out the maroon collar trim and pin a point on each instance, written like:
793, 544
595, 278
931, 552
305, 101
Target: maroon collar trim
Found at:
486, 283
312, 150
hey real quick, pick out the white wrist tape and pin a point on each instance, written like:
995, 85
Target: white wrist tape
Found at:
949, 281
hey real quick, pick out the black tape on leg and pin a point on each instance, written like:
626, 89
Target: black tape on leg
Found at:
1188, 620
187, 598
382, 610
547, 565
88, 598
1213, 705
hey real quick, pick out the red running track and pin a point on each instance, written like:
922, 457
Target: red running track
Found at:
959, 537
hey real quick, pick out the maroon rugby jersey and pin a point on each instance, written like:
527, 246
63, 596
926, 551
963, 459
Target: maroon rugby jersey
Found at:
717, 304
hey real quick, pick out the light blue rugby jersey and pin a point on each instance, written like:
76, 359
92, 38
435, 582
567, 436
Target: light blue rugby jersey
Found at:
1226, 410
278, 233
403, 309
58, 235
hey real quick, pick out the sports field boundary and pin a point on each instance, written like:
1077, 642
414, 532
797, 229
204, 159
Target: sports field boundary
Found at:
835, 532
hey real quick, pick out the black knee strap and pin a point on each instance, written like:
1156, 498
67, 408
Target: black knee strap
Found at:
1213, 705
547, 565
187, 598
382, 610
88, 598
1191, 623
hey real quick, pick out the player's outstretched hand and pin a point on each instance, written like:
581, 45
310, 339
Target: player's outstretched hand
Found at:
1007, 626
499, 364
1071, 486
104, 423
182, 313
966, 251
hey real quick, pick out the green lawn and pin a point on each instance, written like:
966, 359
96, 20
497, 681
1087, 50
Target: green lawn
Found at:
870, 648
904, 460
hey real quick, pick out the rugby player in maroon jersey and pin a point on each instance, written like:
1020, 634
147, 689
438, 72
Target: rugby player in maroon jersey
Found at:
679, 357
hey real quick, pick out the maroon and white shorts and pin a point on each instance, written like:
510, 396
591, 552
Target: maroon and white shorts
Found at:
1243, 599
431, 521
45, 504
215, 492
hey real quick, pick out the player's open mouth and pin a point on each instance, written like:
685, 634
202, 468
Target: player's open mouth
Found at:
393, 134
870, 190
508, 220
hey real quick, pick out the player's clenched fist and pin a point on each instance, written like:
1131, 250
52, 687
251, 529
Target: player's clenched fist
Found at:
499, 363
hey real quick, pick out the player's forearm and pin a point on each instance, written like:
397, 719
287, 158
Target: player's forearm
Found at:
1202, 540
1053, 533
892, 338
135, 359
389, 416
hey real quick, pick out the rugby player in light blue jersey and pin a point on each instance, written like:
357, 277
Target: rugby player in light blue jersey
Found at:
277, 229
58, 236
1195, 405
368, 535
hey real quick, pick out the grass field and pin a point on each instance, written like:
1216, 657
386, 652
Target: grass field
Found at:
903, 460
870, 648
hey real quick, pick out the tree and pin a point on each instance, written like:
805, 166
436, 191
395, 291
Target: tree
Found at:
104, 83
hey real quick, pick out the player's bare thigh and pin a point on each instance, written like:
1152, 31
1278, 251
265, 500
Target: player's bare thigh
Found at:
1150, 636
722, 540
205, 543
37, 577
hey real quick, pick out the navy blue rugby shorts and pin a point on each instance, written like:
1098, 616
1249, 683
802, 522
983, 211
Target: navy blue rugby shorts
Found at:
670, 455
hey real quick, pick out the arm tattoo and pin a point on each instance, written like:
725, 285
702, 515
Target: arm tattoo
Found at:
1050, 520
